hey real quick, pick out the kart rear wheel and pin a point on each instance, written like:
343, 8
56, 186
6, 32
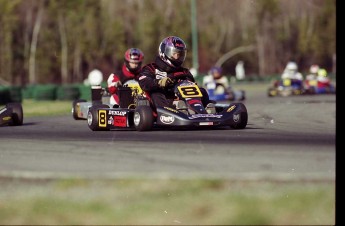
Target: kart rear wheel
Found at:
74, 108
17, 113
143, 118
93, 118
311, 90
243, 117
243, 95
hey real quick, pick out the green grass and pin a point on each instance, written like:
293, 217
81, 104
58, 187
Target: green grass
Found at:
166, 202
46, 108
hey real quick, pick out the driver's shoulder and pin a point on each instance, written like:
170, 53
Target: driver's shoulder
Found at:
150, 67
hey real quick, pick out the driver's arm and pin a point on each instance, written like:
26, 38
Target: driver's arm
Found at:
184, 74
147, 80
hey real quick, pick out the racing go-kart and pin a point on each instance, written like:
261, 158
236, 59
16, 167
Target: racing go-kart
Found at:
136, 111
11, 114
285, 87
80, 107
218, 92
100, 96
314, 86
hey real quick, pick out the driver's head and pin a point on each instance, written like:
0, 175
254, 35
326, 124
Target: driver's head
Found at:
172, 50
133, 59
216, 72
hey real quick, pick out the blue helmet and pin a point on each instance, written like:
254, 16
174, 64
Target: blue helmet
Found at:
216, 69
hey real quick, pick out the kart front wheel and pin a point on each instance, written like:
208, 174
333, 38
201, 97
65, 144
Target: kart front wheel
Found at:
143, 118
17, 113
240, 117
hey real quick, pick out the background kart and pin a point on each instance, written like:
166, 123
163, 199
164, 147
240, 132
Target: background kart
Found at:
11, 114
285, 87
100, 96
316, 87
80, 107
189, 113
219, 93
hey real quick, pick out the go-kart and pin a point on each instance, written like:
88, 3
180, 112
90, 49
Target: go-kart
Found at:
80, 107
11, 114
138, 113
99, 96
218, 92
314, 86
285, 87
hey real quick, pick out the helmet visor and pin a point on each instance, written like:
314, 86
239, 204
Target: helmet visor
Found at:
175, 54
134, 58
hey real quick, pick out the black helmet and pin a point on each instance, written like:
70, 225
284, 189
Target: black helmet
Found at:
134, 55
171, 46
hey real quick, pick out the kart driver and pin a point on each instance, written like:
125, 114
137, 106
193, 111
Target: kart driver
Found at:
157, 77
312, 76
216, 81
312, 72
130, 69
323, 80
291, 72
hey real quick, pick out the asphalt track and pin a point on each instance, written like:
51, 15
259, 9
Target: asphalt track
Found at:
287, 138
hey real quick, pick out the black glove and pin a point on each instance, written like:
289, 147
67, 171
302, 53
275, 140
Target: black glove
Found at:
164, 82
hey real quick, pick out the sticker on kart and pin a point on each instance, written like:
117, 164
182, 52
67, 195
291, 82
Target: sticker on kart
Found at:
102, 118
189, 91
118, 121
167, 119
205, 116
231, 108
236, 117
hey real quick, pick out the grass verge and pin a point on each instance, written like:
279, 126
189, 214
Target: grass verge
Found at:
165, 202
46, 108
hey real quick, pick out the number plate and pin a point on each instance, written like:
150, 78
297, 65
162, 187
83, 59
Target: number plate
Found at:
287, 82
313, 82
189, 91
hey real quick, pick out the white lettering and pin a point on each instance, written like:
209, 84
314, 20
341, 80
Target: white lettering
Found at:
121, 113
204, 116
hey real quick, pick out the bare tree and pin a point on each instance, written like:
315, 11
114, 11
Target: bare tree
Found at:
64, 49
37, 27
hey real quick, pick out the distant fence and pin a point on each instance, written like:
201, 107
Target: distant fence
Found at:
44, 92
80, 91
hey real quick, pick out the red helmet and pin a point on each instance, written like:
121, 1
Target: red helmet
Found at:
314, 68
134, 55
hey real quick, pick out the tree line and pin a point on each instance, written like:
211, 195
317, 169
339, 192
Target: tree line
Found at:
61, 41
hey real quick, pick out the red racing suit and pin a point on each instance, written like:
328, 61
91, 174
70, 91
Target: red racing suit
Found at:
117, 79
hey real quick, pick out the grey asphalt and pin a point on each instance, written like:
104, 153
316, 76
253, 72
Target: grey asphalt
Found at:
287, 138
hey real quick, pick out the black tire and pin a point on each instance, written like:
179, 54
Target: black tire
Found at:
311, 90
74, 111
92, 118
143, 118
17, 113
242, 110
243, 97
271, 92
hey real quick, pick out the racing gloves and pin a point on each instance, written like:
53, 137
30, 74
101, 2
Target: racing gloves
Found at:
164, 82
